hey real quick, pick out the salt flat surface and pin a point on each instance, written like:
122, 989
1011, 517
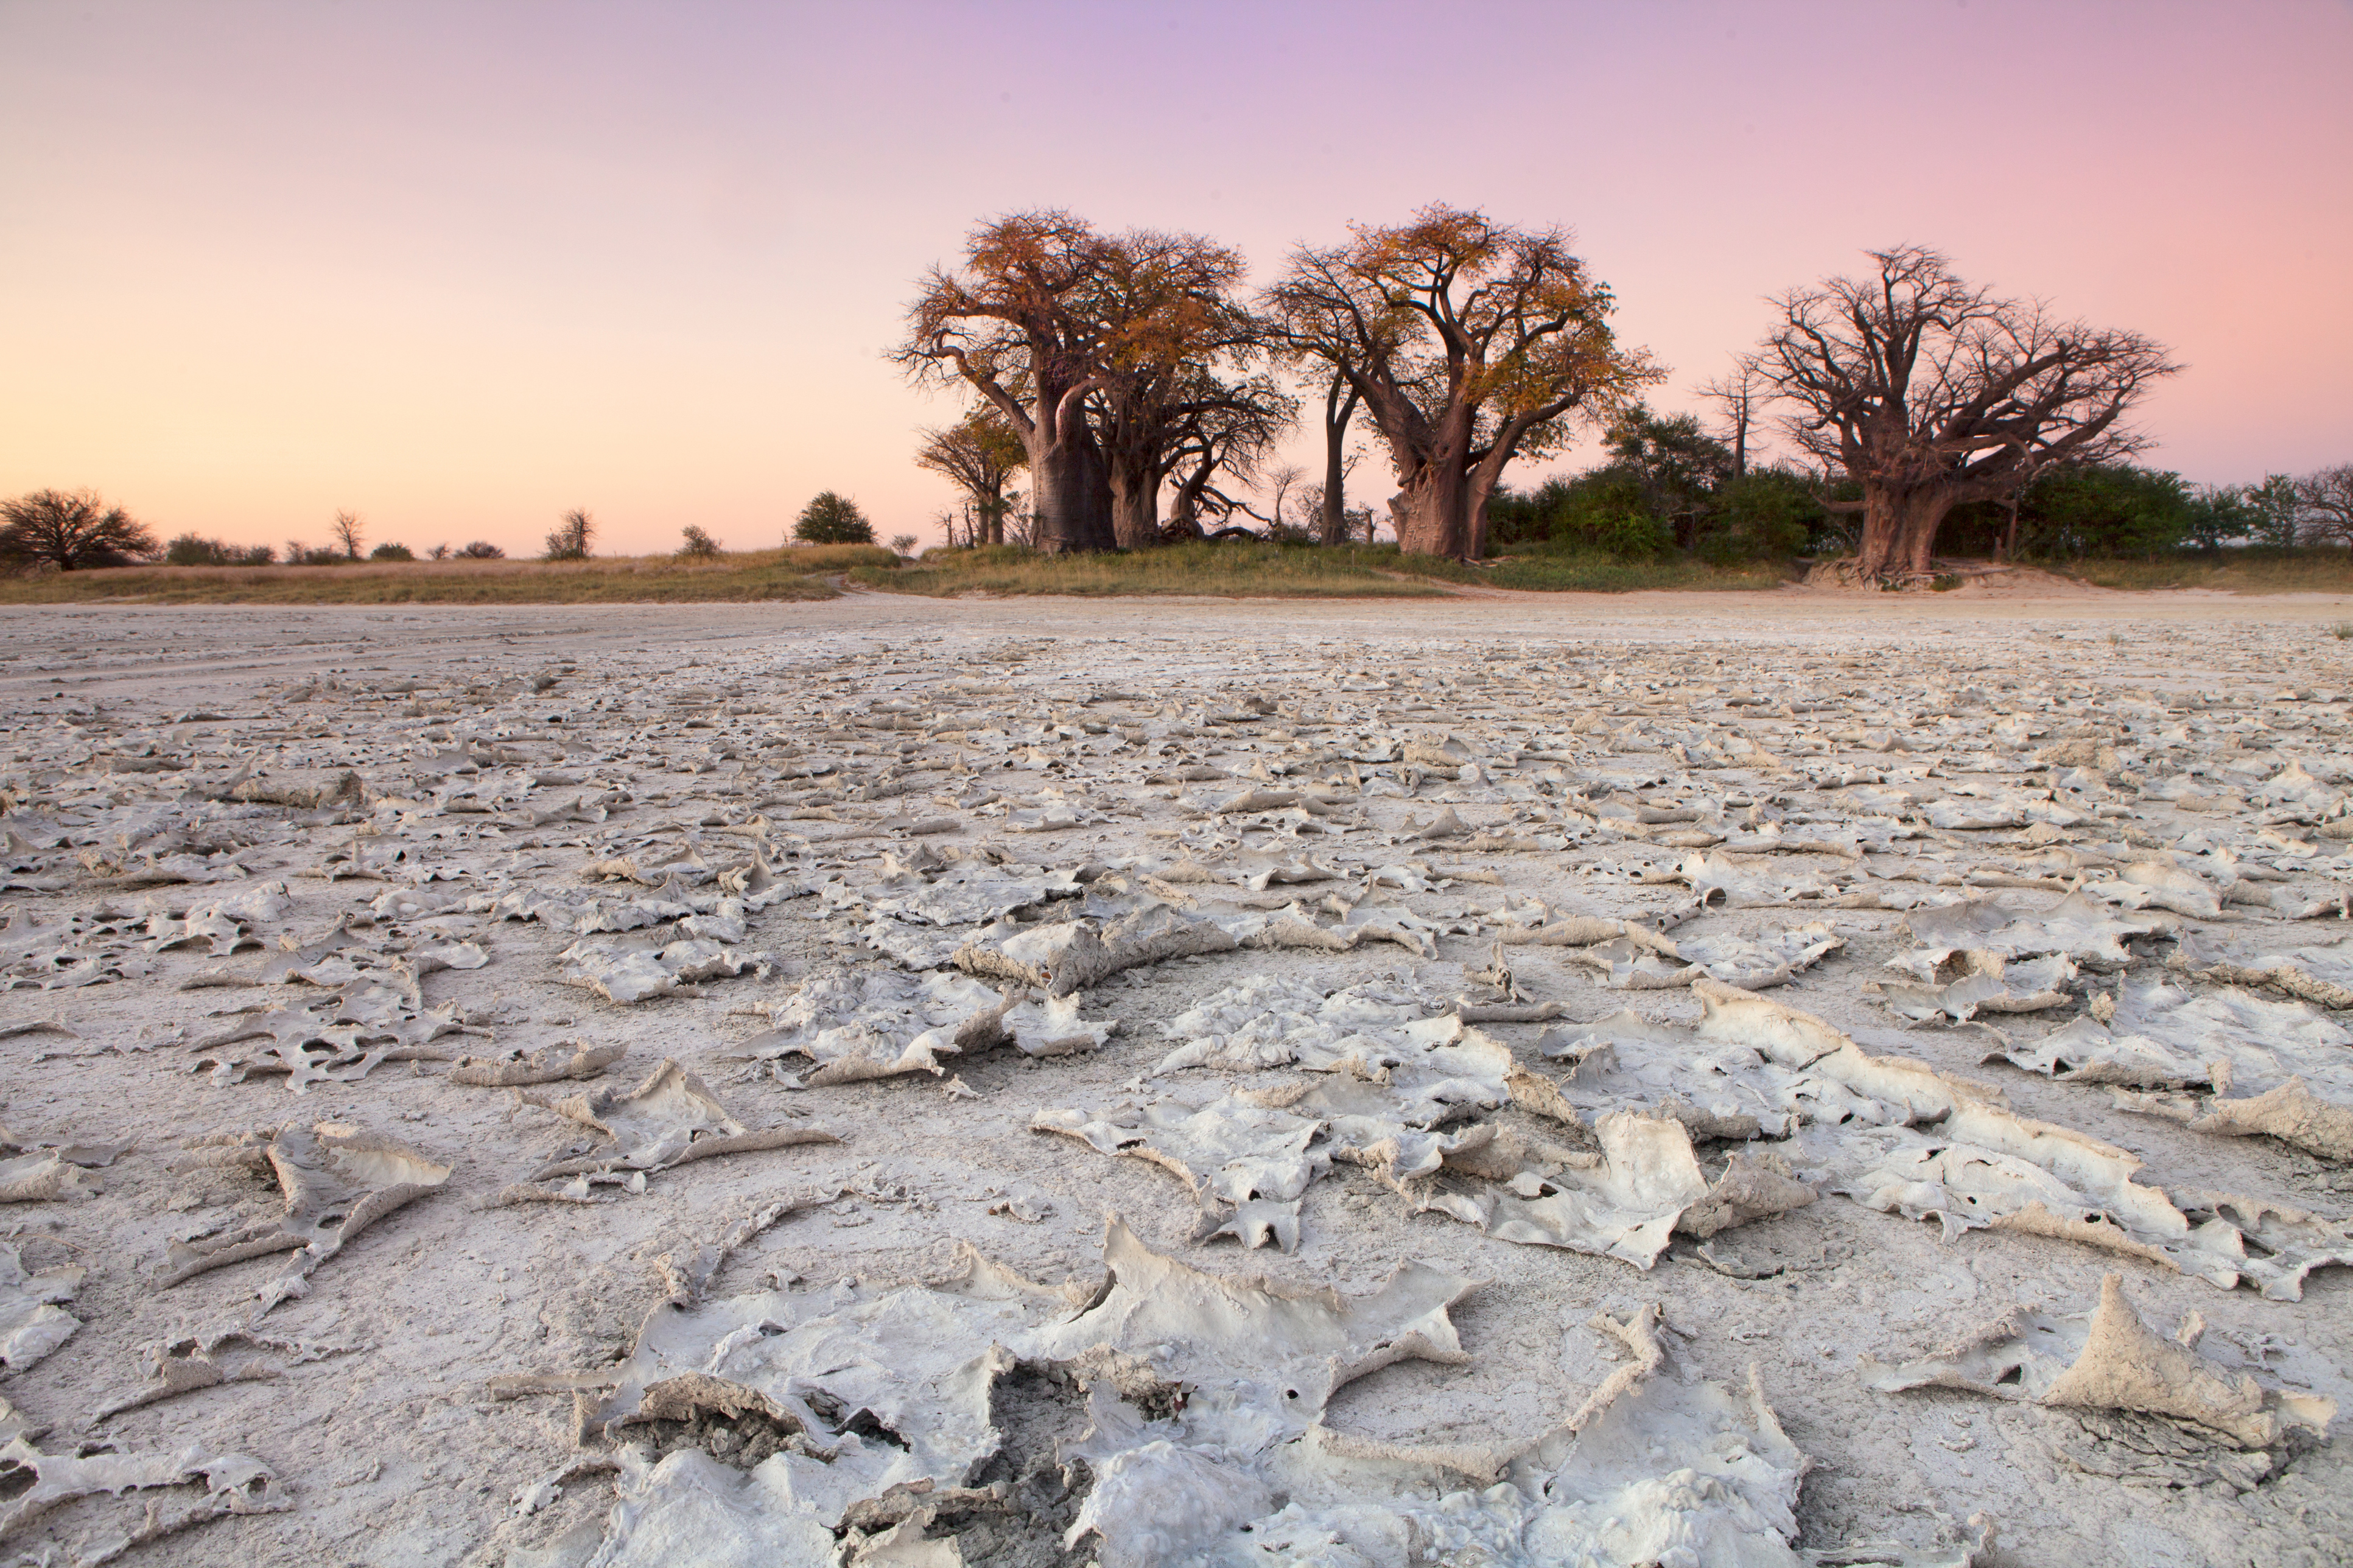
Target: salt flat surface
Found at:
1523, 1078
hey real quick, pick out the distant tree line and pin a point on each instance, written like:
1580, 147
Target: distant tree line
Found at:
1126, 390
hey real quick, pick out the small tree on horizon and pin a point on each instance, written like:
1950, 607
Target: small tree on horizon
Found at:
980, 453
483, 549
2325, 496
833, 519
570, 542
2275, 507
72, 531
699, 546
346, 532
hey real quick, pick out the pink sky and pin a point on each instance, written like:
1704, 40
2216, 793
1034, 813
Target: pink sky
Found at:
459, 267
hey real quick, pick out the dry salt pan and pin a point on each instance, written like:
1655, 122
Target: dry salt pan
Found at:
1189, 1088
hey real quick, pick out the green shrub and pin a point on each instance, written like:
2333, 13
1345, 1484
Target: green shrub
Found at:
195, 549
833, 519
1765, 514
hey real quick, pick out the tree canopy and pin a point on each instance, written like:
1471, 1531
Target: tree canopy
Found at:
1917, 405
1929, 392
1018, 323
832, 519
1103, 353
1469, 343
72, 531
979, 454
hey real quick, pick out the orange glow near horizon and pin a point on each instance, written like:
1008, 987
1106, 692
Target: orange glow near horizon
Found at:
458, 269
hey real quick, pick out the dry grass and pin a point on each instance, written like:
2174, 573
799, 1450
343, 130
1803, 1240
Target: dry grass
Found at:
1241, 569
796, 574
1551, 571
1237, 570
2246, 570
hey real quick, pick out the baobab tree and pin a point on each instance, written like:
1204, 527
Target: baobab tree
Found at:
1098, 349
1469, 344
1176, 346
1019, 324
1183, 433
979, 455
1930, 392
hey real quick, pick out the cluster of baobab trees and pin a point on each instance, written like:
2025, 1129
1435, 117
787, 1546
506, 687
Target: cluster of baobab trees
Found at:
1115, 367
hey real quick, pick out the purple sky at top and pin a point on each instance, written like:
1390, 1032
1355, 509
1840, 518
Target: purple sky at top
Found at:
458, 267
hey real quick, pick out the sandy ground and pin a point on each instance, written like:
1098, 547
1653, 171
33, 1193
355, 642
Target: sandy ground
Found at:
164, 762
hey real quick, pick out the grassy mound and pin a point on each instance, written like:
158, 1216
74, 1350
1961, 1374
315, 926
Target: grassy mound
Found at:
1235, 570
796, 574
1244, 570
2241, 570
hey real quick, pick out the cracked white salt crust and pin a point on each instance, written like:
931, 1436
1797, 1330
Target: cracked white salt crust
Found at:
1656, 1466
32, 1320
931, 852
1896, 1136
2108, 1359
2259, 1065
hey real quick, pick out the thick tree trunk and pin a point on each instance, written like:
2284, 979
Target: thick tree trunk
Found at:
1899, 530
1134, 507
1438, 512
1337, 412
1185, 513
1332, 525
1922, 520
1478, 488
1072, 498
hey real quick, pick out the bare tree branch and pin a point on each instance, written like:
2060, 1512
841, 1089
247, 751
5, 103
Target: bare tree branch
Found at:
1929, 392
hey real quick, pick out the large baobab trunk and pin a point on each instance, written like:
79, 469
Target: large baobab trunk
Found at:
1134, 506
1436, 515
1072, 498
1899, 530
